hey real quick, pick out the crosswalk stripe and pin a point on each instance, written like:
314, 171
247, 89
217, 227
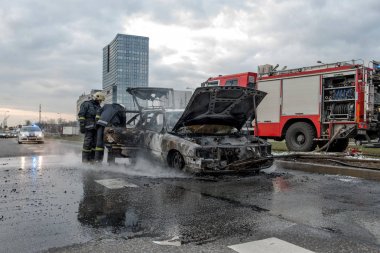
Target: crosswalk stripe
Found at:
268, 245
35, 147
115, 183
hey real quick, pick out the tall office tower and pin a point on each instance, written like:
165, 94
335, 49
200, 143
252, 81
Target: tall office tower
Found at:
125, 64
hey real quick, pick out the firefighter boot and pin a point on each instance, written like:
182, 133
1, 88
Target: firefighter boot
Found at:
86, 156
99, 153
92, 156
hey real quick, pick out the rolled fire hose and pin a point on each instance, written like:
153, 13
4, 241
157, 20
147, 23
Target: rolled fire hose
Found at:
326, 146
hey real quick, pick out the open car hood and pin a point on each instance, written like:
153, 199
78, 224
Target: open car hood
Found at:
148, 94
231, 106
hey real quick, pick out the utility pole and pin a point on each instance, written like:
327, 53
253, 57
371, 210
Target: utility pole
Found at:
39, 118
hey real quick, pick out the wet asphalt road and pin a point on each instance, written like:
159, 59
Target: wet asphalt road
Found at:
49, 201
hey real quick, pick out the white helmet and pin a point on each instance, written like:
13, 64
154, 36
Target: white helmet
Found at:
99, 96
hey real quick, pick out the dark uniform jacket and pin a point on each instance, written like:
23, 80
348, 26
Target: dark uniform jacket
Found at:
111, 115
87, 114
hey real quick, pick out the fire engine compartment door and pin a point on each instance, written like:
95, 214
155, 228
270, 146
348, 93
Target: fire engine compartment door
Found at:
301, 95
269, 109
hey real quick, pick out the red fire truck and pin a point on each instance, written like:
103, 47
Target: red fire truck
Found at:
322, 105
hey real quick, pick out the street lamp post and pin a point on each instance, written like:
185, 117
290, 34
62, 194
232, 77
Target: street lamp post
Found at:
5, 119
59, 118
59, 121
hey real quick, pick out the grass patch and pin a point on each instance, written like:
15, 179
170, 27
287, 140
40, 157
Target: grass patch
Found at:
278, 146
281, 146
368, 151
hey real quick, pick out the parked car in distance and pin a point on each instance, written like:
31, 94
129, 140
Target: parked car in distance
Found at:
30, 134
206, 137
7, 134
14, 134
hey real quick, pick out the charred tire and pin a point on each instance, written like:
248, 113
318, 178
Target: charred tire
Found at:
338, 145
300, 137
175, 160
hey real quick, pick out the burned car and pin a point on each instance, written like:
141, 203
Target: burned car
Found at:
205, 137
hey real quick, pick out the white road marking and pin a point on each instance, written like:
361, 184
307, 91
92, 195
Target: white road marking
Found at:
34, 147
175, 241
268, 245
115, 183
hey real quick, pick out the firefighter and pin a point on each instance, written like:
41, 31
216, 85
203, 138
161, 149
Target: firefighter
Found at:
87, 124
111, 115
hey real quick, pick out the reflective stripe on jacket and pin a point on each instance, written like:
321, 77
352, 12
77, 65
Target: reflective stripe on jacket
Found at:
87, 113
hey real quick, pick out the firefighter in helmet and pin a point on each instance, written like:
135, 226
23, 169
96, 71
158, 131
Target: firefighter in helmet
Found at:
113, 115
87, 124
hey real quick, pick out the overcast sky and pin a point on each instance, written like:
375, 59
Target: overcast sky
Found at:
51, 51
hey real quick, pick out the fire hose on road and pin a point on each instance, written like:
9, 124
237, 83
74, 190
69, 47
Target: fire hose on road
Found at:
331, 163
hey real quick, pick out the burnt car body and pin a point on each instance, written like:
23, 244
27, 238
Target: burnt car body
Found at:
205, 137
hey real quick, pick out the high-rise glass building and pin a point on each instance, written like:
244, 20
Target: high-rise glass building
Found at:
125, 64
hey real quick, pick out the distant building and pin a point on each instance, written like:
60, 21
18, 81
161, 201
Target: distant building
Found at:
178, 99
125, 64
85, 97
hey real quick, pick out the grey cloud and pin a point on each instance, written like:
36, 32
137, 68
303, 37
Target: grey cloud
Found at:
52, 50
178, 76
199, 11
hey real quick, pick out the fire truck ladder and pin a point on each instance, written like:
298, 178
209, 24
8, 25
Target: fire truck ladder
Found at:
309, 68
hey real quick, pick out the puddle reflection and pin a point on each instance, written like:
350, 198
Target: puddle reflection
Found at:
102, 207
188, 209
124, 209
33, 165
22, 162
34, 162
280, 184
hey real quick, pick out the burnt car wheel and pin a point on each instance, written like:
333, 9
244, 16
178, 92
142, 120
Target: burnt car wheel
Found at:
176, 160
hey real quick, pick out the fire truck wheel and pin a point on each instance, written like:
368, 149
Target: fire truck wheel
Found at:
300, 137
339, 145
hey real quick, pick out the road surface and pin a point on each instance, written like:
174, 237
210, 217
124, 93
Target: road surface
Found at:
50, 201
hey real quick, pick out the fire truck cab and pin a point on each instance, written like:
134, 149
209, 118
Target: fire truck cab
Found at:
246, 79
322, 105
